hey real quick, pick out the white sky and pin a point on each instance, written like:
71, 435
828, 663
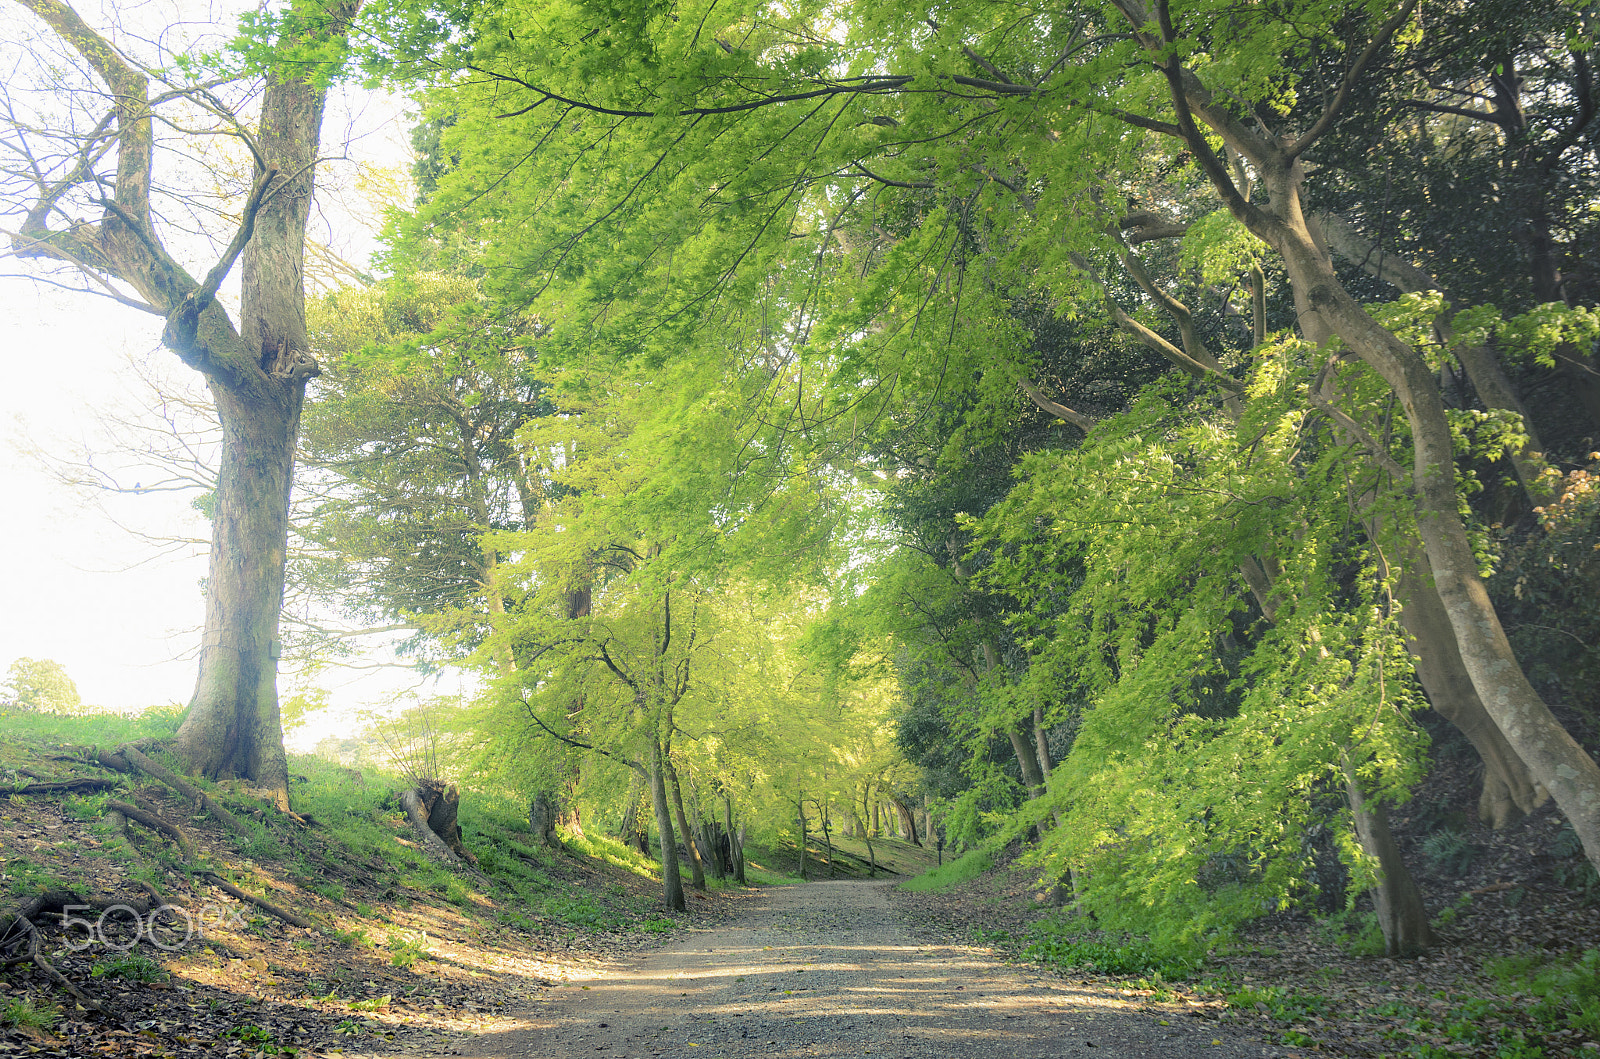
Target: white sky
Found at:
76, 587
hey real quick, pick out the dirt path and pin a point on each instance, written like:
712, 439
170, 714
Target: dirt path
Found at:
828, 969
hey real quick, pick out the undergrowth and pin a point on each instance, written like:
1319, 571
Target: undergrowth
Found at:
1065, 941
968, 866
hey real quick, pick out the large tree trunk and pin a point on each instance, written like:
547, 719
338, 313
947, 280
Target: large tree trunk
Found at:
671, 883
257, 373
233, 727
1401, 915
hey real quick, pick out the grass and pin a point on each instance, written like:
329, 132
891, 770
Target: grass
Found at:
89, 729
26, 1014
129, 966
757, 876
614, 851
1064, 941
968, 866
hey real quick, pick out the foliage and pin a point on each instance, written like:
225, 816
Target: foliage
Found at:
40, 685
1451, 852
132, 966
1549, 584
1568, 988
1065, 941
1180, 686
968, 866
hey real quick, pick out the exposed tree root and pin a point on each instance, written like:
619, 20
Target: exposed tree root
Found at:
154, 823
260, 902
182, 786
77, 786
22, 925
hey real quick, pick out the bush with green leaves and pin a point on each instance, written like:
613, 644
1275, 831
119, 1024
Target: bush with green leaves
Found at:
1207, 734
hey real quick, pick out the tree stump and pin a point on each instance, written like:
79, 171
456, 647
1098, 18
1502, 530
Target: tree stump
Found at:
542, 821
441, 802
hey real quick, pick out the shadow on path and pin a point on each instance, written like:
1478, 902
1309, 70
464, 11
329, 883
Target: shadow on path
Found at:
827, 969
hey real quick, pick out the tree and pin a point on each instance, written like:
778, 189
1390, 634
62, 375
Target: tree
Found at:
40, 684
86, 194
1025, 150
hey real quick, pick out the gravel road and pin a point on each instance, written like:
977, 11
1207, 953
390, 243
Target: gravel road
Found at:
829, 969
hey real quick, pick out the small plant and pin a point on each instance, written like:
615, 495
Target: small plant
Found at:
1451, 914
1450, 852
132, 966
331, 891
583, 912
251, 1034
25, 1014
1285, 1005
350, 1027
657, 925
1353, 931
356, 937
404, 951
377, 1003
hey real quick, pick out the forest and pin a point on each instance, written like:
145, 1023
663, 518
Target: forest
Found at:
1153, 442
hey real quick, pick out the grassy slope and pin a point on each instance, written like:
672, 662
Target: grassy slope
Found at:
403, 955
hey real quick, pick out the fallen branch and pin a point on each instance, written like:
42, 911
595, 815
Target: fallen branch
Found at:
183, 787
260, 902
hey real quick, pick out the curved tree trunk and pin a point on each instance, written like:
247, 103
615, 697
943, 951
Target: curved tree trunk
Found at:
1401, 915
1553, 757
671, 883
1509, 791
697, 869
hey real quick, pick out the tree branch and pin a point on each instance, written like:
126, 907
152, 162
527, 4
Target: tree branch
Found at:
1060, 411
1330, 113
